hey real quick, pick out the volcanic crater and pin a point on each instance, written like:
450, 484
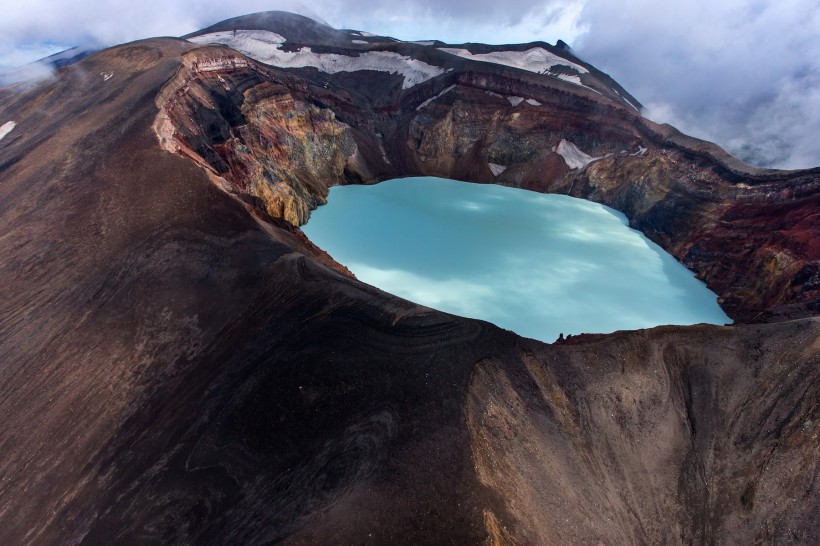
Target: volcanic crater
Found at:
181, 364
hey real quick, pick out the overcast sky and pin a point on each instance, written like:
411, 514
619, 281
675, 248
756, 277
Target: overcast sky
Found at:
743, 73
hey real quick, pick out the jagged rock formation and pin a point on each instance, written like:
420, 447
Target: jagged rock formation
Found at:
182, 365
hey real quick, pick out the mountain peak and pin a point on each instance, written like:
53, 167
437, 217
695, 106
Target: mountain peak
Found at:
294, 27
290, 41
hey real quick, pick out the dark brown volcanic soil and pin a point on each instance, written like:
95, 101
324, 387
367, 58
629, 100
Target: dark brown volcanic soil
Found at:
180, 365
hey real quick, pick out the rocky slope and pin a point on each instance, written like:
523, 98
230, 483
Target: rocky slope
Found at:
181, 365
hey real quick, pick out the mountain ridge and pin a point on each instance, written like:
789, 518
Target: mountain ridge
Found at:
569, 105
182, 366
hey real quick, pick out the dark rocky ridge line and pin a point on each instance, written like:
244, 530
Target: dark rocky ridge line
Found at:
179, 368
687, 199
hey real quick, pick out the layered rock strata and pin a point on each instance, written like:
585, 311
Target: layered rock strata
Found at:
285, 140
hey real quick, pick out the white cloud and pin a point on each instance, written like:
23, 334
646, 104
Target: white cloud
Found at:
743, 73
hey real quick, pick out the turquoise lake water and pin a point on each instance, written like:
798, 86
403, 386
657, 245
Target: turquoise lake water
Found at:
536, 264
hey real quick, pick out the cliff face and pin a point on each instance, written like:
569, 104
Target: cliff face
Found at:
652, 437
749, 238
181, 365
285, 140
237, 120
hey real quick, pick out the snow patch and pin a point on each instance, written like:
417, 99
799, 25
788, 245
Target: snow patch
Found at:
629, 102
515, 101
493, 94
626, 100
431, 99
537, 59
367, 34
365, 42
224, 82
241, 40
573, 156
641, 151
425, 42
533, 102
264, 46
570, 78
497, 169
6, 128
106, 75
575, 80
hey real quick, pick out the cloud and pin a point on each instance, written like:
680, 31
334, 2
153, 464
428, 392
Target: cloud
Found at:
743, 73
459, 21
